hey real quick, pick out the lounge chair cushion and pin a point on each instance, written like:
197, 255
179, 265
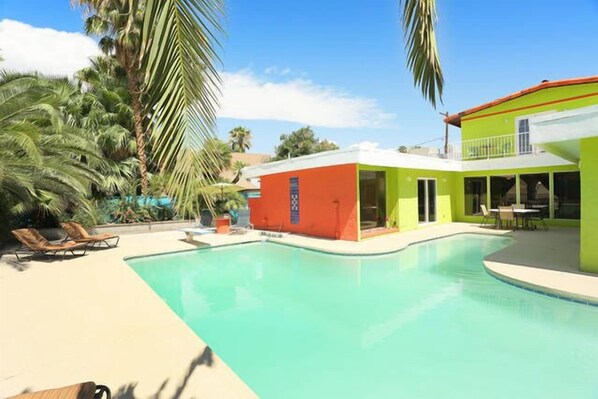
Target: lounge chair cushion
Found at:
84, 390
76, 232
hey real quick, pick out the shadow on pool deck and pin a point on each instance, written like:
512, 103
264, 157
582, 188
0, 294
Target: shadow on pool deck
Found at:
555, 249
128, 391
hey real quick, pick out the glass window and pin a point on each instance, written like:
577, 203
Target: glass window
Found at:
475, 194
503, 191
534, 192
567, 195
523, 136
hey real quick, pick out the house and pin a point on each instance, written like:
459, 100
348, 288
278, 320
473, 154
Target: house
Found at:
526, 148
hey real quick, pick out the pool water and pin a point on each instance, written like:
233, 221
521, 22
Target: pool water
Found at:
425, 322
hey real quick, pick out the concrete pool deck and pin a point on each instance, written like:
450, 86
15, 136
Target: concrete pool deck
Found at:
93, 318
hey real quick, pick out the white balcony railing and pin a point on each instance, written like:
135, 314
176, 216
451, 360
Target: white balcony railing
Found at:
508, 145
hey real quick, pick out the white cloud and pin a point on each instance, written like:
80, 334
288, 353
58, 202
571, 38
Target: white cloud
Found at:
27, 48
271, 70
297, 100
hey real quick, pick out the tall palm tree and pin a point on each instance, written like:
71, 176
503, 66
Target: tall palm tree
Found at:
418, 18
168, 48
240, 139
119, 22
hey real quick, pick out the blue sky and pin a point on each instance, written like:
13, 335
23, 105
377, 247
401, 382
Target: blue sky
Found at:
339, 65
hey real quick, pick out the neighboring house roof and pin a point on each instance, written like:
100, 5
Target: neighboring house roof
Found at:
455, 119
249, 160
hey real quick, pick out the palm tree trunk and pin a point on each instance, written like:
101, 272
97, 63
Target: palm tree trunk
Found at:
134, 90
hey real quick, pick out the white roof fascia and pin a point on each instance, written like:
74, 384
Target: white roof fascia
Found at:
328, 158
352, 155
564, 125
391, 158
395, 159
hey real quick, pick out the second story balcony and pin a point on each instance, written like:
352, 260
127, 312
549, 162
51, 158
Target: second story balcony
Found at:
508, 145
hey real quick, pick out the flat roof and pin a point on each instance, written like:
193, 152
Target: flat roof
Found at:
391, 158
455, 119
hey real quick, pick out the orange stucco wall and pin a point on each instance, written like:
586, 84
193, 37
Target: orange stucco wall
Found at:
327, 202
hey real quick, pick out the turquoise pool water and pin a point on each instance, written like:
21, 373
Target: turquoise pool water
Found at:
425, 322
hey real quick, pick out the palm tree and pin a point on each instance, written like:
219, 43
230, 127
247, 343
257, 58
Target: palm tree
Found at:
418, 18
45, 164
238, 168
119, 22
240, 139
168, 49
224, 154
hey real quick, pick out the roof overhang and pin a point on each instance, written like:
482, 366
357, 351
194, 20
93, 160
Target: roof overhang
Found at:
395, 159
561, 132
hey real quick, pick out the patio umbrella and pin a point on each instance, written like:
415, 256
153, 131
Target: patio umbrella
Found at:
221, 188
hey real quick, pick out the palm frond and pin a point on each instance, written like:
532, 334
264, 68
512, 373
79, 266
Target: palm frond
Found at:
418, 19
180, 59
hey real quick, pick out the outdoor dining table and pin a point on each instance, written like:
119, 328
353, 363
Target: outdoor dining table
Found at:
524, 214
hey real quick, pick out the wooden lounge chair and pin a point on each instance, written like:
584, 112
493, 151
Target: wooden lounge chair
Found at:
85, 390
77, 233
36, 244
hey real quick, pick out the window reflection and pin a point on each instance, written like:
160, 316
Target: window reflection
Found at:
475, 194
503, 191
534, 191
567, 195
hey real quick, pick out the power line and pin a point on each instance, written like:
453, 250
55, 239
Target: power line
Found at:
430, 141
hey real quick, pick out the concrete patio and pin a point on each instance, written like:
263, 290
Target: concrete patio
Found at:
93, 318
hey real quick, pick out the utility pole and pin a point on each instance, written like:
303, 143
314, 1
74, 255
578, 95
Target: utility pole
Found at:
445, 114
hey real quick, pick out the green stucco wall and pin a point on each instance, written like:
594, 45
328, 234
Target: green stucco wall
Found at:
589, 204
401, 195
474, 126
407, 205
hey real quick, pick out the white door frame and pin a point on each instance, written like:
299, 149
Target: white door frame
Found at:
427, 200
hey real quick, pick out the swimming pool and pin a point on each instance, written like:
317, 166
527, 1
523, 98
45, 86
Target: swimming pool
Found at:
425, 322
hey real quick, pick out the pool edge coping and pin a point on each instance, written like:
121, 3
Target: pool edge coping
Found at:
541, 289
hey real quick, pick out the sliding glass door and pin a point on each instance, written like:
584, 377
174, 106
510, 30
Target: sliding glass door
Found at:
372, 199
426, 200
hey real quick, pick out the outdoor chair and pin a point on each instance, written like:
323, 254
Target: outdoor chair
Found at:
32, 242
76, 232
518, 206
506, 216
243, 222
206, 218
536, 219
85, 390
487, 216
